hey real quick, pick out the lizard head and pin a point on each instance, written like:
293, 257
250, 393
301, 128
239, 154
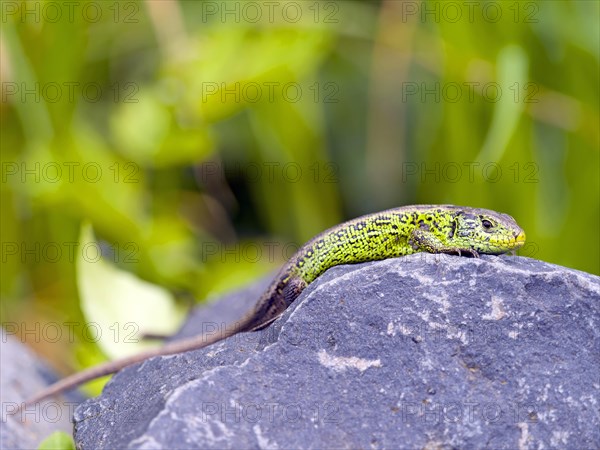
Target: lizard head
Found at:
486, 231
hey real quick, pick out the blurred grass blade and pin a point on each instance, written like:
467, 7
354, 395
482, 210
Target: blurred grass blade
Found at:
512, 67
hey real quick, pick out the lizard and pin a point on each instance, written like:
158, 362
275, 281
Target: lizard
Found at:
387, 234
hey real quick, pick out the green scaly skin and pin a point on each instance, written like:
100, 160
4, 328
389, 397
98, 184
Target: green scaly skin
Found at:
387, 234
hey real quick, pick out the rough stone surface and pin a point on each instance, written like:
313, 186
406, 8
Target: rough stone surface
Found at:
22, 374
424, 351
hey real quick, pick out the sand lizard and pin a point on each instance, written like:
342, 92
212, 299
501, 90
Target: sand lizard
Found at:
387, 234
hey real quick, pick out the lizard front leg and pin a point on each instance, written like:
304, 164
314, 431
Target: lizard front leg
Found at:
425, 241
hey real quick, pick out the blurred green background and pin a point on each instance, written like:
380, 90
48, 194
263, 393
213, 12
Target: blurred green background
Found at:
203, 141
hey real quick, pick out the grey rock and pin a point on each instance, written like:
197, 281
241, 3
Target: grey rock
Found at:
23, 373
425, 351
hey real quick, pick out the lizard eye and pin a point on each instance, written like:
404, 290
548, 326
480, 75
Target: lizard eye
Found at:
486, 224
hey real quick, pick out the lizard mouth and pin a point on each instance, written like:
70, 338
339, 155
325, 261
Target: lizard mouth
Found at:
519, 239
514, 243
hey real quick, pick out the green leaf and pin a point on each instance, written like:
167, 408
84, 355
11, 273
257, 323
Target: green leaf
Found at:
118, 306
59, 440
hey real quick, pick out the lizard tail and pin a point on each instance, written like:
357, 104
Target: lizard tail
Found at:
70, 382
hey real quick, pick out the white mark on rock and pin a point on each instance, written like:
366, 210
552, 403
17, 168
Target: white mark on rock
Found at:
424, 315
405, 330
146, 442
497, 312
441, 299
560, 438
524, 427
457, 333
263, 442
341, 363
390, 329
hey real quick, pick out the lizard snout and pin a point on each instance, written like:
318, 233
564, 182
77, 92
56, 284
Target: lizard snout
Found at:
519, 236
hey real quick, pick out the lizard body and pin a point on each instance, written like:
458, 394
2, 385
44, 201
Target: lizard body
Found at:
387, 234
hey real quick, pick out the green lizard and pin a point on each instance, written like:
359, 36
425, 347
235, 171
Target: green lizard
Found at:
387, 234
